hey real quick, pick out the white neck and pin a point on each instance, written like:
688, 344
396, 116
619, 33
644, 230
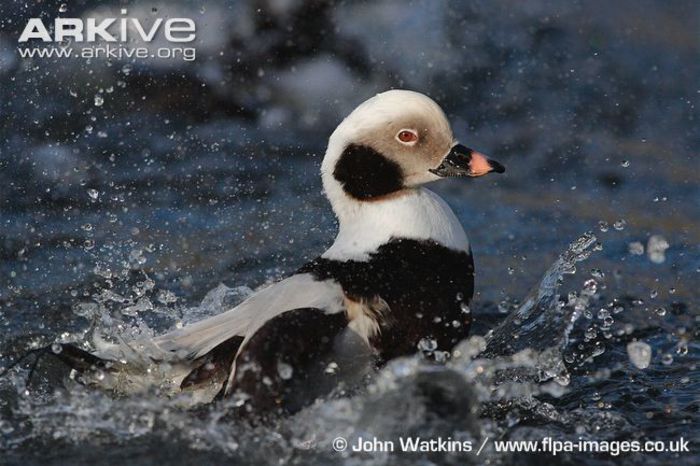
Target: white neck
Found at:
364, 226
416, 213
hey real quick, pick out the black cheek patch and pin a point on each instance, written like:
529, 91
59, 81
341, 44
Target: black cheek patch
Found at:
365, 174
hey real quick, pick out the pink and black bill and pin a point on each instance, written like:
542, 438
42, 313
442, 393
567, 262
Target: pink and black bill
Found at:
463, 161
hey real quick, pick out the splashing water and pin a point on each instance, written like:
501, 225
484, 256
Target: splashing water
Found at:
543, 322
493, 386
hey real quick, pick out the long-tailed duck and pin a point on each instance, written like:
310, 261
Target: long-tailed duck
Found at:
399, 274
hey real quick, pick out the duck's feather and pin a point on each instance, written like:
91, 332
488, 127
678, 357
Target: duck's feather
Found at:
298, 291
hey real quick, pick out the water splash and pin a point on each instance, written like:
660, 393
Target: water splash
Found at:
543, 322
495, 386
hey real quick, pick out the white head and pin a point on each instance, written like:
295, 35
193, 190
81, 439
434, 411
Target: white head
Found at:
390, 145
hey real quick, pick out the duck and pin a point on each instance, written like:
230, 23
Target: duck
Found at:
397, 280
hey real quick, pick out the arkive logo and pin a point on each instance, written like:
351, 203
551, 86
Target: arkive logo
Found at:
109, 37
109, 29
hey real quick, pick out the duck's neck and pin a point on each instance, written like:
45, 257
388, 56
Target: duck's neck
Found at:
414, 213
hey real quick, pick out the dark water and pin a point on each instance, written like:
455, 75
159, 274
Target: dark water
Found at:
129, 191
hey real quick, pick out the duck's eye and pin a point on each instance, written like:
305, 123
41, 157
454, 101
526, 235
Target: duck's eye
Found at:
407, 136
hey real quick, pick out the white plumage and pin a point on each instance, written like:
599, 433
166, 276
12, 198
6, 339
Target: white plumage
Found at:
297, 291
419, 214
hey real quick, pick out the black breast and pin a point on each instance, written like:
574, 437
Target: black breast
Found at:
427, 287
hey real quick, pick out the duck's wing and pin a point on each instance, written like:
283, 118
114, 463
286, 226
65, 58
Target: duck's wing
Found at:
295, 358
300, 291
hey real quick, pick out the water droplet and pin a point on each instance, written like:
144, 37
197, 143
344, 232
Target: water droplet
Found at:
102, 270
441, 356
635, 248
6, 428
93, 193
620, 225
465, 308
86, 309
660, 311
166, 297
653, 294
62, 8
427, 344
682, 349
625, 163
656, 249
136, 258
99, 100
331, 368
284, 370
667, 359
591, 286
671, 290
56, 348
504, 307
239, 398
603, 226
598, 349
639, 354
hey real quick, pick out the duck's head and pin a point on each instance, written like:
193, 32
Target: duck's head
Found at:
392, 143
